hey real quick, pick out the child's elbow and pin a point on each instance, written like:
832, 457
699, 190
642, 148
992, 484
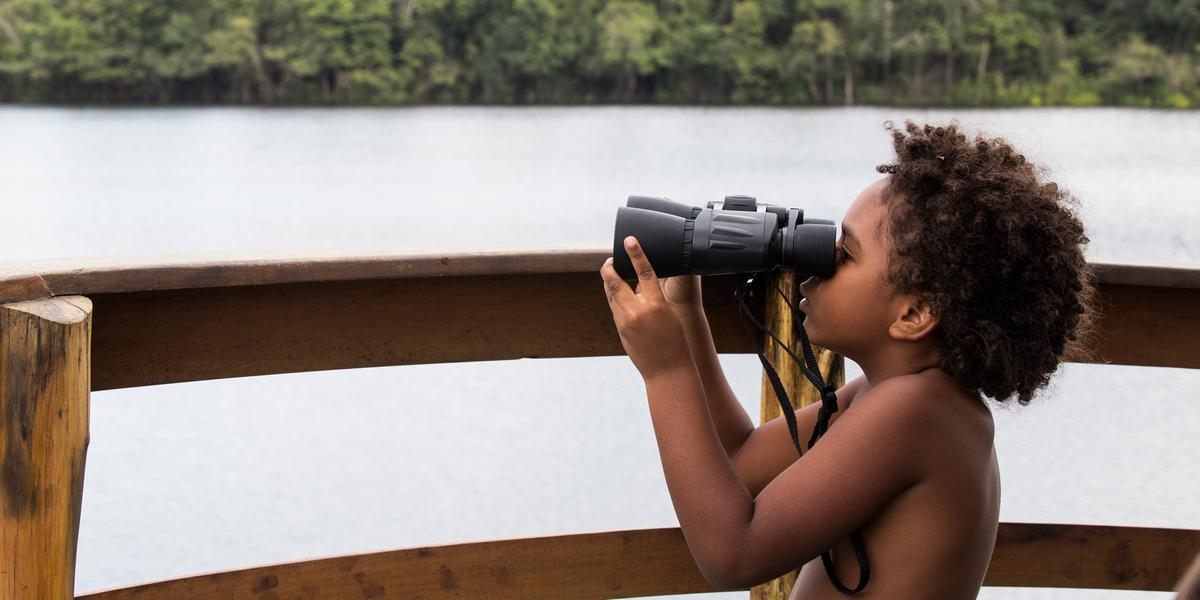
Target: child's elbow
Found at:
741, 570
720, 581
725, 574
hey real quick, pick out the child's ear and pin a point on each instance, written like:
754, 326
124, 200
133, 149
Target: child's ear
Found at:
916, 319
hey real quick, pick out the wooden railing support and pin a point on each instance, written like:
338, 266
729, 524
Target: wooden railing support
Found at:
778, 319
657, 562
259, 317
45, 359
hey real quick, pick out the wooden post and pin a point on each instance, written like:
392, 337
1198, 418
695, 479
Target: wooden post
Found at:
778, 319
45, 366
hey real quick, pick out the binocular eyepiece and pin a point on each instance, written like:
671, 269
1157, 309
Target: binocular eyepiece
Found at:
738, 235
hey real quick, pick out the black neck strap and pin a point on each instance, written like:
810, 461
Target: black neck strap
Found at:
812, 372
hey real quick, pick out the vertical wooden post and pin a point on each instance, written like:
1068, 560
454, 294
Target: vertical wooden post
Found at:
778, 319
45, 368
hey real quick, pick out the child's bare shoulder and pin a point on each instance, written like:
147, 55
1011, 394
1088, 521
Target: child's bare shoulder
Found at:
931, 406
929, 392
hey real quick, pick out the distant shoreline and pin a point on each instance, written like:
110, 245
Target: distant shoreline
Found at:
601, 52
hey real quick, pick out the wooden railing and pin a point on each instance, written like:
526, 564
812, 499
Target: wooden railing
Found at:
189, 320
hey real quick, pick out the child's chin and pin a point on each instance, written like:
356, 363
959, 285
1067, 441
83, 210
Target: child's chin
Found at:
817, 337
814, 332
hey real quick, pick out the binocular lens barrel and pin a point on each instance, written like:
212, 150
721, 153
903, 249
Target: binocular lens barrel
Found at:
679, 239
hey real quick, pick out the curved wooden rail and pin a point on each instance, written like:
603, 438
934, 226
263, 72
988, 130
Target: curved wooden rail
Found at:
652, 562
196, 319
28, 280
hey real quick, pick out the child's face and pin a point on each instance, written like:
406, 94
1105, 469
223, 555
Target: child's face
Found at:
851, 311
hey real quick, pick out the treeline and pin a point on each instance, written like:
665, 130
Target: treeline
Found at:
778, 52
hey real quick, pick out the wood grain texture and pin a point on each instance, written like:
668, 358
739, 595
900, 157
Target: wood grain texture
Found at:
283, 315
1149, 326
1165, 276
19, 283
1091, 556
90, 275
619, 564
148, 338
44, 387
623, 564
142, 338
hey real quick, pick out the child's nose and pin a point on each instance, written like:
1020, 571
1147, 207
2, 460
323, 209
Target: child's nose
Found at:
810, 284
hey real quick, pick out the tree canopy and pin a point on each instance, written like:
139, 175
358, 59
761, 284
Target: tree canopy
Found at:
774, 52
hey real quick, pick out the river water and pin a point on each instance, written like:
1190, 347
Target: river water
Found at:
209, 476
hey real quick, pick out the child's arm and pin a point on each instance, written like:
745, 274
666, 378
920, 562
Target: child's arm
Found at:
758, 454
737, 539
882, 448
1188, 587
768, 450
733, 425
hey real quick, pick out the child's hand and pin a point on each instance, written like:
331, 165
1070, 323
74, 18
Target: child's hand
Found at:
682, 292
650, 331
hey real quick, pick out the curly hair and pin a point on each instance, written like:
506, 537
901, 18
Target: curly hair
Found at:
996, 252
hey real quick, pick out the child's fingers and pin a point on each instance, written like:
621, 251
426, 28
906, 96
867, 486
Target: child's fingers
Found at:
645, 272
615, 288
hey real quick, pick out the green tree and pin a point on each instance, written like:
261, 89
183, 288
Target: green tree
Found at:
693, 61
627, 42
811, 51
750, 63
986, 52
1143, 74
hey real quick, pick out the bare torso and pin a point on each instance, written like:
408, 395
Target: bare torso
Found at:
935, 539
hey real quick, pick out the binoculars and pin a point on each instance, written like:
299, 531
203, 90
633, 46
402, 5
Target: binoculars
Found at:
737, 235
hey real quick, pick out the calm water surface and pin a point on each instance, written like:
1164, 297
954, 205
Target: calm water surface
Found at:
211, 476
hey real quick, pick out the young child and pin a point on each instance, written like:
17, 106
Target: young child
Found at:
961, 276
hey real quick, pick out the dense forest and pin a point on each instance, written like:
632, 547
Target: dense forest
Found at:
774, 52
